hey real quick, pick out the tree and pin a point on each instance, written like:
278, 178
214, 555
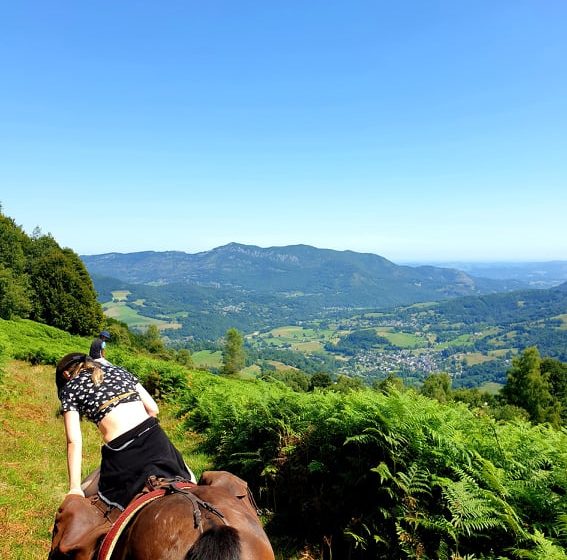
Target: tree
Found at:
15, 288
321, 379
391, 383
556, 372
529, 389
233, 355
152, 341
345, 384
437, 386
14, 295
63, 294
293, 378
183, 356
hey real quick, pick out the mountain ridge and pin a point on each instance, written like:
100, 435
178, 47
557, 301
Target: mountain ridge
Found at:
256, 288
289, 268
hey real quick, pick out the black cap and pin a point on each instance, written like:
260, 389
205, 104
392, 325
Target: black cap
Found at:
69, 360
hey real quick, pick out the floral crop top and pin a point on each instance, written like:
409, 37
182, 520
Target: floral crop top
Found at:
96, 401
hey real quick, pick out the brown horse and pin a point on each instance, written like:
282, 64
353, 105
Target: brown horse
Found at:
216, 520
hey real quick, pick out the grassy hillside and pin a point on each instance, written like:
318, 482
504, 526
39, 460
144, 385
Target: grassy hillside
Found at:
33, 454
34, 478
358, 474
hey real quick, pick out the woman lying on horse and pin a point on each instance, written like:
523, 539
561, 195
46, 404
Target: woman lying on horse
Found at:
135, 446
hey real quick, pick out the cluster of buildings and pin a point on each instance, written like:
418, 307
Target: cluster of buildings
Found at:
378, 363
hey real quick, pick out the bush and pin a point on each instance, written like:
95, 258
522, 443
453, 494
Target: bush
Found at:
394, 475
162, 379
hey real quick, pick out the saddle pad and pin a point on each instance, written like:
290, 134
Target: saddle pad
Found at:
111, 538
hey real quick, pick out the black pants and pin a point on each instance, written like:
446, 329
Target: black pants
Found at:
129, 459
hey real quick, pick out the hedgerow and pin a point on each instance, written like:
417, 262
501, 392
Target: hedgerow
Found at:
41, 344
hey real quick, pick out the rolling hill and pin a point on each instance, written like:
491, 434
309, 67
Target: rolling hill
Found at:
252, 287
292, 270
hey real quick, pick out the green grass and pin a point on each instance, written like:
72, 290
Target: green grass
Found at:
34, 478
207, 358
299, 339
123, 312
308, 347
491, 388
401, 339
461, 340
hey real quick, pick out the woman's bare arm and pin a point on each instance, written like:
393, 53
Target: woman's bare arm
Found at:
74, 450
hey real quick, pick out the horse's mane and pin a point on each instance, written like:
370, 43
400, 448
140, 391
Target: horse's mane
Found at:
220, 541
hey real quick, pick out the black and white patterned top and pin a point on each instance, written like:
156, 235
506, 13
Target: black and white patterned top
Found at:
96, 401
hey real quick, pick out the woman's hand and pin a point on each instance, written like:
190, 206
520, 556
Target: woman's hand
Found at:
76, 492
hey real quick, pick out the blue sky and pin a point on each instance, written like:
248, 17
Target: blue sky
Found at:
417, 130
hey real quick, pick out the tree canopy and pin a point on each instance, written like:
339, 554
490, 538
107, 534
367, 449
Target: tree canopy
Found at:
233, 355
529, 387
41, 281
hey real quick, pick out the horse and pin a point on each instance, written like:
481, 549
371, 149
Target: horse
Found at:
214, 520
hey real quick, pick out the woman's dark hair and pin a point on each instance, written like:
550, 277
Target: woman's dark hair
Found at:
73, 363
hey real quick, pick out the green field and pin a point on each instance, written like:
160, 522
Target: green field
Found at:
300, 339
401, 339
491, 388
461, 340
474, 358
206, 358
123, 312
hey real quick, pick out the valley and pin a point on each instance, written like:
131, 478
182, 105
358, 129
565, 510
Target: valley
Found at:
410, 342
339, 312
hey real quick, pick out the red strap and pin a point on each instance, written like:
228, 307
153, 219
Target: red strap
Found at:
111, 538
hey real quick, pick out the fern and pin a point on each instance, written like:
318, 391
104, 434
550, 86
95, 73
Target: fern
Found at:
544, 549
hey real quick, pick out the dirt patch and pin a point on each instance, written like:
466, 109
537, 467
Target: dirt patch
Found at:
32, 412
10, 431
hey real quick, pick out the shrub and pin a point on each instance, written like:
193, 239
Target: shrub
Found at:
394, 475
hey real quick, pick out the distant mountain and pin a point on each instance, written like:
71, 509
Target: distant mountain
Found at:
299, 270
252, 287
535, 274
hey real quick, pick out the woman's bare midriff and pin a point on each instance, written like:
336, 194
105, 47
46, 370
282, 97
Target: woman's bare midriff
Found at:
121, 419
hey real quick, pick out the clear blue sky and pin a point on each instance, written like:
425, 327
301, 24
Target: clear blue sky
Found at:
418, 130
